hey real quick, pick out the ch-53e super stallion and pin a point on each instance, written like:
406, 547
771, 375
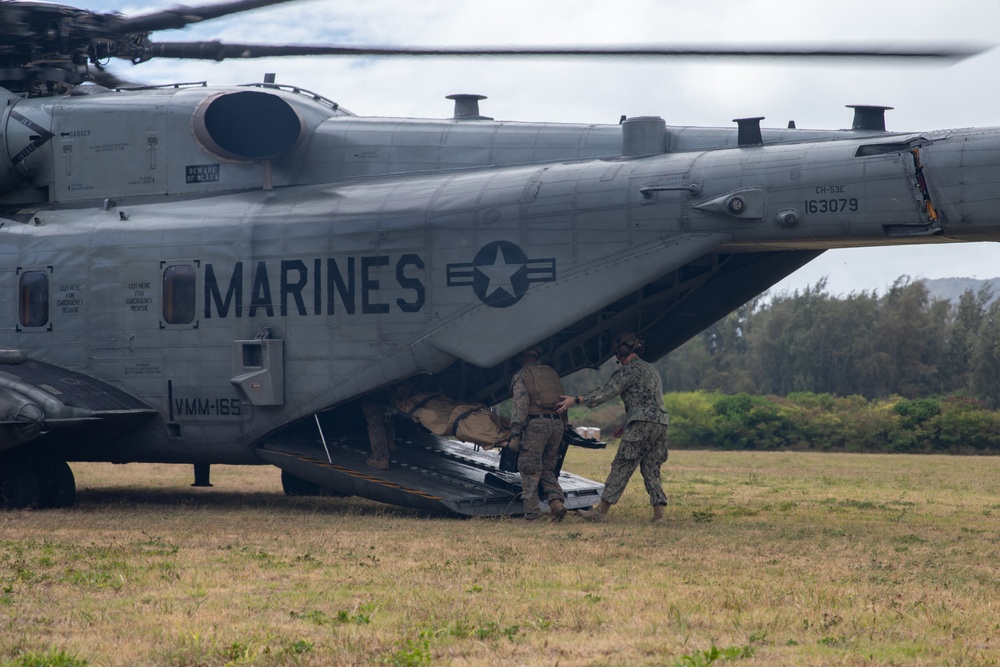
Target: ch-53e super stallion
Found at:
209, 275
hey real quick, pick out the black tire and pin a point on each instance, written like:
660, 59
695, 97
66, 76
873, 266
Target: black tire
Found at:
296, 486
19, 485
58, 486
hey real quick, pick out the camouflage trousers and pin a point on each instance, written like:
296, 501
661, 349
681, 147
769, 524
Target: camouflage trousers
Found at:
381, 428
644, 444
539, 453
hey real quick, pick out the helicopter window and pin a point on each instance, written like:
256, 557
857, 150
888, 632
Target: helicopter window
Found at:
34, 299
178, 294
253, 356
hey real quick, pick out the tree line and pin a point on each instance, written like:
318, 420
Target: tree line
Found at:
900, 371
900, 343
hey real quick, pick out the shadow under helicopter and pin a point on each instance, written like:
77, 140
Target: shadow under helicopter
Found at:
109, 499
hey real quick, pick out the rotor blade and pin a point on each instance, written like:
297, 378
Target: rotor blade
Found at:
220, 51
180, 16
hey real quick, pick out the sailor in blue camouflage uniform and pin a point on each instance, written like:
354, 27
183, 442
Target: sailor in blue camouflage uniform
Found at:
644, 440
537, 432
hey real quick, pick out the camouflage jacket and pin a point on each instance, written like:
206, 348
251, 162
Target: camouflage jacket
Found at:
641, 390
521, 401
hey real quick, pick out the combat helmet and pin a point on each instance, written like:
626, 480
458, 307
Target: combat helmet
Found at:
628, 340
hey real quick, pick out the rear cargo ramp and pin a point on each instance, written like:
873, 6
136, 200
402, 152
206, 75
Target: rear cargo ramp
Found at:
426, 472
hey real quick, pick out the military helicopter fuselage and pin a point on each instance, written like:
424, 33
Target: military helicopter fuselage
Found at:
217, 263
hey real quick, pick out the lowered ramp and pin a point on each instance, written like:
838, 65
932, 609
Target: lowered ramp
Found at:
427, 472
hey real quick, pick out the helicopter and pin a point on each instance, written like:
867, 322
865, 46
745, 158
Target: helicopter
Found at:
220, 275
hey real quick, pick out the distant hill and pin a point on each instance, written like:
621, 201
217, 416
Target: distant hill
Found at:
952, 288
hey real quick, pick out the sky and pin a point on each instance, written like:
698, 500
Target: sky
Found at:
685, 91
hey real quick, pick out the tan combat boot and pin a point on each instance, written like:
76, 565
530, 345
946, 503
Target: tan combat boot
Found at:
558, 510
658, 514
598, 513
381, 464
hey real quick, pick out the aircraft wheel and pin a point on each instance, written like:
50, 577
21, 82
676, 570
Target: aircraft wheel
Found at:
19, 485
58, 486
296, 486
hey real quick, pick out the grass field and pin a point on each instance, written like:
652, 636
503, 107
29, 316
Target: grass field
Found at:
766, 559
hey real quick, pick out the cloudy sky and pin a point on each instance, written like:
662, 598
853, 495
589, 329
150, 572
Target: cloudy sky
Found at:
683, 91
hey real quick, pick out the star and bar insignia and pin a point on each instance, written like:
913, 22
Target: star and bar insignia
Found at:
500, 273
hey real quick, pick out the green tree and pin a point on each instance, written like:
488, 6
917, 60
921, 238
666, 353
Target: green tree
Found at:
962, 336
911, 332
798, 342
984, 378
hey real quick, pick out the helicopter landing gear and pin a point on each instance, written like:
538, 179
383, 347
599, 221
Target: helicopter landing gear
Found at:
58, 485
296, 486
19, 484
35, 482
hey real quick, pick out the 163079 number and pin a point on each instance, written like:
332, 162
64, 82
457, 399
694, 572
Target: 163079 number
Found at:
842, 205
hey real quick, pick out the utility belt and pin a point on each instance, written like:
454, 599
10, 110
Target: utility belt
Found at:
545, 415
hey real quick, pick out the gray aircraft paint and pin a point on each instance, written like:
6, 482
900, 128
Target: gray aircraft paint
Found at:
373, 250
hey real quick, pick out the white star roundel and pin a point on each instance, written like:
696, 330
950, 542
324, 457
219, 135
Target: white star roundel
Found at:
500, 273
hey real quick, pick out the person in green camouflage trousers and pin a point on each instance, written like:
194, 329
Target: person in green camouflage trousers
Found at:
537, 433
379, 418
644, 439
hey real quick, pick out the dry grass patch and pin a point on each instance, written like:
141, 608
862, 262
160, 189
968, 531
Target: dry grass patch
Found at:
767, 559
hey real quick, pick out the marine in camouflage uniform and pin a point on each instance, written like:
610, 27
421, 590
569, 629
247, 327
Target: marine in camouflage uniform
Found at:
644, 440
380, 419
537, 431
